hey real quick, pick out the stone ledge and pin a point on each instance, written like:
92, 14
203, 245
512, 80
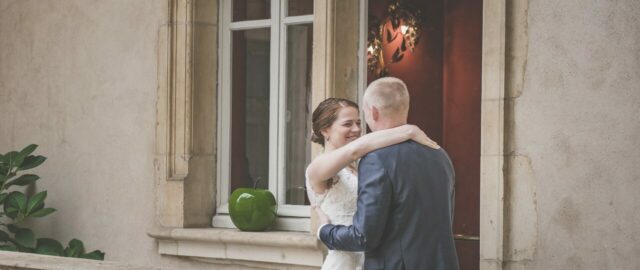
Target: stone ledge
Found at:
285, 248
27, 261
234, 236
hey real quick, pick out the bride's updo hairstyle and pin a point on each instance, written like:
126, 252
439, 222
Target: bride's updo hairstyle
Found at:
325, 114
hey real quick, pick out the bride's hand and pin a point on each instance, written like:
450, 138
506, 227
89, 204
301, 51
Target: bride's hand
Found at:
419, 136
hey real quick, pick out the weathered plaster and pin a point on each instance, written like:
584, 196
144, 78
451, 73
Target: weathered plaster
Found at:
575, 138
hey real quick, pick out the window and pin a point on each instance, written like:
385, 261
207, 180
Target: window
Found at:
264, 110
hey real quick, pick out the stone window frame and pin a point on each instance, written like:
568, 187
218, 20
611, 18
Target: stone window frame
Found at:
290, 217
185, 180
186, 133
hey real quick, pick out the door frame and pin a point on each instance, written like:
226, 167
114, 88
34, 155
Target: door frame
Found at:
492, 126
492, 135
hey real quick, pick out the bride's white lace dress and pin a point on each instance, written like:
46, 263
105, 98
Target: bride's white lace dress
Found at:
339, 203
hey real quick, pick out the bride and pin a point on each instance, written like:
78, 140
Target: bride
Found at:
332, 181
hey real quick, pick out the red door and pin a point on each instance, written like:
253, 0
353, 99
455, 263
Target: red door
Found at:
443, 75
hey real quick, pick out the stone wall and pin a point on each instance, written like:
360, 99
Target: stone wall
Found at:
572, 173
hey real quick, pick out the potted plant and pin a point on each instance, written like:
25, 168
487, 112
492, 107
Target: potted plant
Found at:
16, 207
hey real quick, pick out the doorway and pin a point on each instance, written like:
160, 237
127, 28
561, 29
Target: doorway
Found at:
444, 77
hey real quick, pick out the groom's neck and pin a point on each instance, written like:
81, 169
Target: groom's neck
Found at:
388, 123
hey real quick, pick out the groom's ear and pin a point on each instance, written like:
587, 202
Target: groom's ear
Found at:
375, 113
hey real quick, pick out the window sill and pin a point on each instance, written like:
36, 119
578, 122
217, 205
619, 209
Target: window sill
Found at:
283, 224
285, 248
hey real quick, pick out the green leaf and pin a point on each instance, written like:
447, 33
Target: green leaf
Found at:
31, 162
28, 150
13, 228
11, 212
17, 199
7, 176
94, 255
16, 202
36, 202
4, 236
8, 248
42, 212
67, 252
25, 249
10, 157
49, 246
77, 244
3, 177
25, 238
3, 196
19, 158
23, 180
75, 249
4, 172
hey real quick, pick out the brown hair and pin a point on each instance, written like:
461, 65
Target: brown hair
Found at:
325, 114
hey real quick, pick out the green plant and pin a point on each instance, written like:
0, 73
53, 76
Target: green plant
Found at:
16, 207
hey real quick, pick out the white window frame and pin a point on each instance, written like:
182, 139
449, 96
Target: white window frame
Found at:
290, 217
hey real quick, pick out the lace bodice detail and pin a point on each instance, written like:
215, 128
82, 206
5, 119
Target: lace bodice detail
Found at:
338, 202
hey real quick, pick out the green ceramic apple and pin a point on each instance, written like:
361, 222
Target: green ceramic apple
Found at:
252, 209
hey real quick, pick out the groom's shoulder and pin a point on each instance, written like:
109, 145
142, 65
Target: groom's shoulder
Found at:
391, 150
409, 146
382, 153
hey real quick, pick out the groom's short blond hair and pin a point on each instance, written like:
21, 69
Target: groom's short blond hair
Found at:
389, 95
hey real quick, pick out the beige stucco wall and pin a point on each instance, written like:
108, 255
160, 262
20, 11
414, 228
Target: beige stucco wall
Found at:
574, 133
79, 78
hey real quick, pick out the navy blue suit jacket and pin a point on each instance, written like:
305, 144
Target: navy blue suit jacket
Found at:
405, 210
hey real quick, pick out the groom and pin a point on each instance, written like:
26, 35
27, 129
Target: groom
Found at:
405, 195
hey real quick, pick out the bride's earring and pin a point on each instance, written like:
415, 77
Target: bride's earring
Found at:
327, 138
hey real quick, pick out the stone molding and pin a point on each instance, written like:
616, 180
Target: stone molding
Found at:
492, 135
322, 58
234, 236
173, 112
186, 115
180, 90
282, 248
27, 261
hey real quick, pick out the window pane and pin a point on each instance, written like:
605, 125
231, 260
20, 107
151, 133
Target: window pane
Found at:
250, 108
245, 10
299, 7
298, 116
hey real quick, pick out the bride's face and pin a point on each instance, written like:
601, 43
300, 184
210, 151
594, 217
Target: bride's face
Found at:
345, 129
